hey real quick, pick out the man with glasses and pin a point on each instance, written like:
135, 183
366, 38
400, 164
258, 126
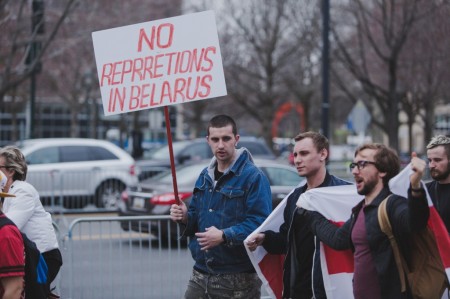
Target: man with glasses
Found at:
302, 275
375, 270
438, 153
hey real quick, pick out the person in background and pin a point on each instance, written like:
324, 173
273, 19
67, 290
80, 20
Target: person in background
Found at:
12, 262
302, 276
375, 271
231, 199
438, 153
26, 210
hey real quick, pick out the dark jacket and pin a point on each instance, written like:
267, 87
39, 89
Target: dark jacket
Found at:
406, 217
301, 263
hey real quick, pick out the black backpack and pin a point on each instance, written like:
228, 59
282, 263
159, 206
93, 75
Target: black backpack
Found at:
35, 267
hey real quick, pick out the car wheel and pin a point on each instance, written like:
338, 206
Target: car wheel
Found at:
108, 194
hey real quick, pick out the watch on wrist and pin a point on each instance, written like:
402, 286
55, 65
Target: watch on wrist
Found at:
224, 238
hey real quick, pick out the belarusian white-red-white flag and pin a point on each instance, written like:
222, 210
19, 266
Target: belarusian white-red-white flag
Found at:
335, 204
270, 266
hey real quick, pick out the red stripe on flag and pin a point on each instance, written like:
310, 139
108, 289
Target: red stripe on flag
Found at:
338, 261
272, 268
439, 230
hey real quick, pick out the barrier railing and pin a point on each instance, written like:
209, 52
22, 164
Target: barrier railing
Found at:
103, 261
79, 191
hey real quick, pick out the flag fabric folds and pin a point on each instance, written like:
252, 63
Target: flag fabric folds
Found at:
270, 266
335, 203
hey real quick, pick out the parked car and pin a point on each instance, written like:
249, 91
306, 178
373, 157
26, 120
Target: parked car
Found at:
155, 195
195, 150
78, 171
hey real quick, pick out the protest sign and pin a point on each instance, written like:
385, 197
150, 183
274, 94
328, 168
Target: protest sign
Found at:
159, 63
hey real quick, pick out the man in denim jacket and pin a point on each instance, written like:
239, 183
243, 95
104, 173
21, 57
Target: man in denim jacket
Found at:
231, 199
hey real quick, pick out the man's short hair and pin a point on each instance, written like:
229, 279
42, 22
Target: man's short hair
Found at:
222, 120
319, 141
440, 140
386, 159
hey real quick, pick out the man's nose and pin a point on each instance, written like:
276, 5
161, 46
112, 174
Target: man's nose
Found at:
355, 170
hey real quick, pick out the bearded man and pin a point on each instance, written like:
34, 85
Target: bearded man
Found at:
438, 153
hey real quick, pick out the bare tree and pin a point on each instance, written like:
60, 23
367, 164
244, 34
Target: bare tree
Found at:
425, 71
370, 49
17, 39
72, 74
23, 43
264, 44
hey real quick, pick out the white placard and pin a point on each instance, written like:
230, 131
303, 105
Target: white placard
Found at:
159, 63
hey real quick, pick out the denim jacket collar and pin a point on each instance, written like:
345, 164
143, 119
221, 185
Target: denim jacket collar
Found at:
236, 166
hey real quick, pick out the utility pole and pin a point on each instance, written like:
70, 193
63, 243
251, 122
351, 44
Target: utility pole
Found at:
325, 66
37, 28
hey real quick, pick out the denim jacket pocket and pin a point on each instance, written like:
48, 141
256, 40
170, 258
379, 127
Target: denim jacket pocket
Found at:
233, 203
232, 192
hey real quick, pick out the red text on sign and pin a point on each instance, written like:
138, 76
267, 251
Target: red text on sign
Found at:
161, 37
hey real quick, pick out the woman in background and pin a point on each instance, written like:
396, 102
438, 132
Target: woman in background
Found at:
26, 210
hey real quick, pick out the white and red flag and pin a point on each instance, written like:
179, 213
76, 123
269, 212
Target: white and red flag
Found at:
270, 266
335, 204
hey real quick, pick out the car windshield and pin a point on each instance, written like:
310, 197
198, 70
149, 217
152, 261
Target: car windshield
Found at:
163, 152
184, 174
256, 148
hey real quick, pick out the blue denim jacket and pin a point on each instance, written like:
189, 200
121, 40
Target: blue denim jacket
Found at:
239, 202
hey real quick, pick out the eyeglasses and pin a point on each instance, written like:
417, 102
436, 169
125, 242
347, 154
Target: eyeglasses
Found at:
361, 164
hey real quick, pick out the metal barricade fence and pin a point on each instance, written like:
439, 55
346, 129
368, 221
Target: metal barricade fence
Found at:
103, 261
75, 191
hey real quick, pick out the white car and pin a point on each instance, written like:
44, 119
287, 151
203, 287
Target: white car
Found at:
75, 172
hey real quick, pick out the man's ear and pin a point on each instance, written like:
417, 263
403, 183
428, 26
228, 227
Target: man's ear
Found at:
323, 155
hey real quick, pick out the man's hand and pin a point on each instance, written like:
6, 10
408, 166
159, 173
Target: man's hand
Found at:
418, 166
210, 238
256, 241
178, 213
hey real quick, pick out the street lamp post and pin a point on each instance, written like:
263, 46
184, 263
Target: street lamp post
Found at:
37, 28
325, 66
87, 84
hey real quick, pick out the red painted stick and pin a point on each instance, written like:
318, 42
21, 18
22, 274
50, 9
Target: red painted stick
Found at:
172, 161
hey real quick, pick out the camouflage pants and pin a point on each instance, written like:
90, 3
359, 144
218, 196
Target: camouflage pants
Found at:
211, 286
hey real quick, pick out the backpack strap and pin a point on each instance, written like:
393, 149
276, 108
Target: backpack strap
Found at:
5, 221
385, 225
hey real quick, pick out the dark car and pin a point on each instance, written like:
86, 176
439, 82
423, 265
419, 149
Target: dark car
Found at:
155, 195
188, 151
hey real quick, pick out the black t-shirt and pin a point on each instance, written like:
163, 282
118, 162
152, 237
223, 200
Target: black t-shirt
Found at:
440, 195
304, 243
217, 173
